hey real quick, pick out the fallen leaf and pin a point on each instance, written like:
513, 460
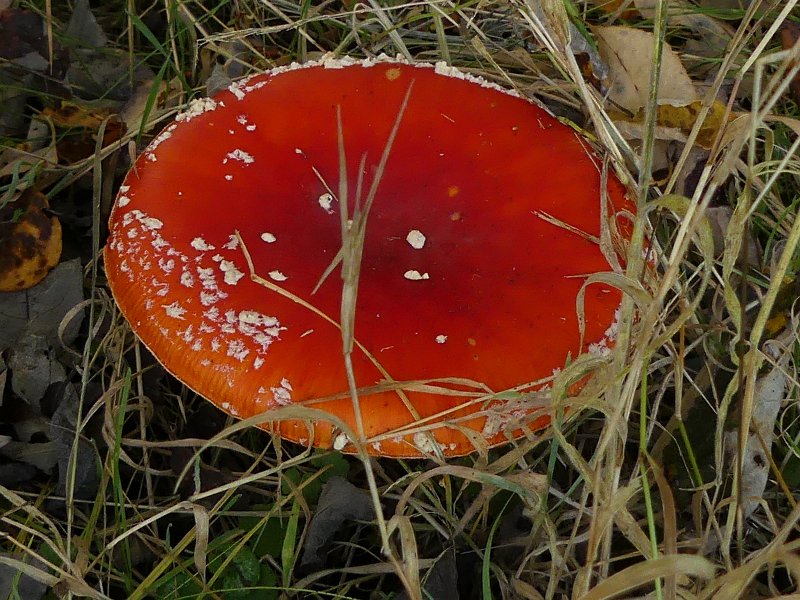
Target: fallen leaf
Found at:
34, 368
40, 310
13, 99
15, 584
204, 477
95, 71
3, 378
101, 73
224, 64
707, 37
23, 50
21, 33
441, 580
671, 133
15, 473
63, 428
340, 501
83, 120
628, 54
138, 107
75, 114
30, 242
770, 392
567, 37
720, 217
790, 33
624, 9
27, 68
83, 27
39, 148
685, 117
43, 456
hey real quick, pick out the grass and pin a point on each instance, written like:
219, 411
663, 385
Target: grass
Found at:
636, 492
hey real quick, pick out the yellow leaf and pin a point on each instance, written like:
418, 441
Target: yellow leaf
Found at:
30, 242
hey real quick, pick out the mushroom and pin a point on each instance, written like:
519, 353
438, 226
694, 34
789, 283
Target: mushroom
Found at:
225, 243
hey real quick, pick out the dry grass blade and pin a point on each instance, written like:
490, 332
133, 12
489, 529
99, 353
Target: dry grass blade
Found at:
636, 489
643, 573
353, 232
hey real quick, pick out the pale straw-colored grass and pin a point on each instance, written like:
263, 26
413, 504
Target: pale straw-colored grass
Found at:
606, 520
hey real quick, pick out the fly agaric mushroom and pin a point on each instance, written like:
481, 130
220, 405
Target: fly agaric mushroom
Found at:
483, 229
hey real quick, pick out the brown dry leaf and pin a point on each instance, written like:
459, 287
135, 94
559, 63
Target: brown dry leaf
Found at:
39, 148
23, 33
137, 108
770, 393
710, 36
624, 9
628, 54
83, 119
720, 218
72, 114
30, 242
790, 33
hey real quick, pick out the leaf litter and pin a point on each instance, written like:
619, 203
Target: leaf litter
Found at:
340, 502
596, 70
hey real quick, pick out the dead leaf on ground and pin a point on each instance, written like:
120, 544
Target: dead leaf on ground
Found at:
790, 33
720, 217
63, 427
39, 148
77, 114
217, 74
15, 473
709, 36
21, 33
567, 37
204, 479
3, 378
770, 392
42, 455
95, 70
81, 121
624, 9
675, 123
340, 501
24, 66
83, 28
30, 242
138, 106
685, 117
101, 73
15, 584
40, 310
441, 580
34, 367
628, 54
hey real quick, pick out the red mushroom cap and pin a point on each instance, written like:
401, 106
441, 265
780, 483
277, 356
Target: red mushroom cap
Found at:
465, 275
